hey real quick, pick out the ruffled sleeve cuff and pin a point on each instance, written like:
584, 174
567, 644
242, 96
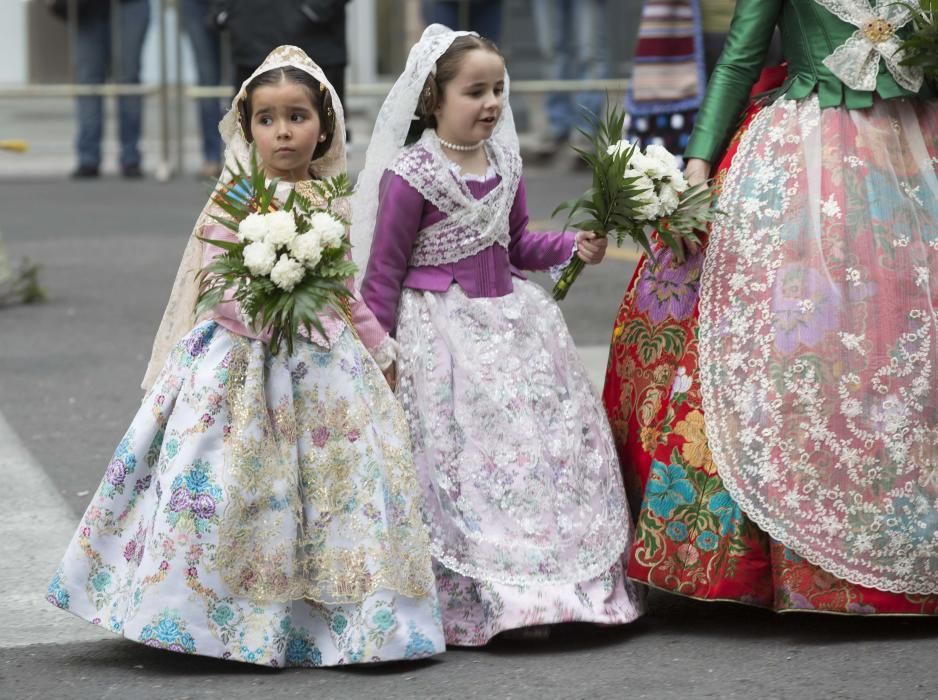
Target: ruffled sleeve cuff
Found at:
556, 271
386, 352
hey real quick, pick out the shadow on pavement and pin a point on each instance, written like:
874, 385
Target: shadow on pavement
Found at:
678, 616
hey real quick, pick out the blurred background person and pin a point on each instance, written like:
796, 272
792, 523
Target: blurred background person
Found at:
669, 71
572, 38
679, 42
481, 16
198, 22
257, 27
94, 62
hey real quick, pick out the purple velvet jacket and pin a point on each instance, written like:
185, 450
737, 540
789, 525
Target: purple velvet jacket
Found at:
403, 213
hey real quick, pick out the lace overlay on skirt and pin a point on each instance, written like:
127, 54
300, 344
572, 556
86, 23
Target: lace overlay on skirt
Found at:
512, 447
819, 337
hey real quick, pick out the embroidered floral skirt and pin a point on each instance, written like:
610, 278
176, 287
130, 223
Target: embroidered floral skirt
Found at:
523, 492
819, 348
260, 509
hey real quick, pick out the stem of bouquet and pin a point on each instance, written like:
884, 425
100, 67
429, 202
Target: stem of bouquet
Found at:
568, 276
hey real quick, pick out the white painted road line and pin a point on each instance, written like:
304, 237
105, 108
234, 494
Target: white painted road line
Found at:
34, 530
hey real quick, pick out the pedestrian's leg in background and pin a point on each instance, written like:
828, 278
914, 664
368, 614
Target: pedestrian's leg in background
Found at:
134, 20
592, 57
486, 19
91, 61
207, 51
441, 12
552, 17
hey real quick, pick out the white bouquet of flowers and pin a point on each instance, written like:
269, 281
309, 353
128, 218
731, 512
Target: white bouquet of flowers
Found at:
291, 260
634, 193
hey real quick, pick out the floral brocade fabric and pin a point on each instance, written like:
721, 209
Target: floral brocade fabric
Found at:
261, 509
692, 538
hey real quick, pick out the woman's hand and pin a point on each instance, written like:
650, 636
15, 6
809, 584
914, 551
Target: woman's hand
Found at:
590, 248
696, 171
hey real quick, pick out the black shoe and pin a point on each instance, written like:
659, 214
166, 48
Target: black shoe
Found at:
83, 172
132, 172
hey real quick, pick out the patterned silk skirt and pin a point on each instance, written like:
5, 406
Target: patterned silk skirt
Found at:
780, 443
261, 509
522, 487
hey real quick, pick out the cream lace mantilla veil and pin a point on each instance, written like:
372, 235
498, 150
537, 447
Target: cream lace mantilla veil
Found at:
179, 317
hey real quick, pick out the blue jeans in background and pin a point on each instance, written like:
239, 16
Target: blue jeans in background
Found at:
93, 65
485, 16
572, 37
206, 49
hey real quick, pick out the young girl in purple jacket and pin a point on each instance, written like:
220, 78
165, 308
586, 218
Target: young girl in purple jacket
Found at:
522, 488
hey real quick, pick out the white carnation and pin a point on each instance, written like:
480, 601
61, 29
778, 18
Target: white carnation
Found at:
259, 257
669, 199
618, 148
281, 228
647, 166
331, 231
253, 228
649, 210
647, 200
679, 182
287, 273
663, 156
307, 248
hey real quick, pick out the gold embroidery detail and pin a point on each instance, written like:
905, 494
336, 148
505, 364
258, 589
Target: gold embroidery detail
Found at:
322, 499
878, 30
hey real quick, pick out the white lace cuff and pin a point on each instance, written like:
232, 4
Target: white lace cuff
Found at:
557, 270
386, 352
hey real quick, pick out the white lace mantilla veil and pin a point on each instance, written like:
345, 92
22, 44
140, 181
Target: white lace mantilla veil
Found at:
179, 317
391, 128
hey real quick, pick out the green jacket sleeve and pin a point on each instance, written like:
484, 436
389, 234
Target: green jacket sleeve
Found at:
736, 72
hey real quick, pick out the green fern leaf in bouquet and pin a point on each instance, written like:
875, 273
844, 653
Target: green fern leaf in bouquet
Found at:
920, 45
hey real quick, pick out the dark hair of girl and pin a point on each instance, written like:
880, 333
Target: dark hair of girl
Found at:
447, 67
319, 95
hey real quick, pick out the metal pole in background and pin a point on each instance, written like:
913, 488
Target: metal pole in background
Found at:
180, 91
163, 168
224, 50
463, 14
72, 25
116, 72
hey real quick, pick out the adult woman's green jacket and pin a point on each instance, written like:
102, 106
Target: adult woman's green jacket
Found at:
811, 33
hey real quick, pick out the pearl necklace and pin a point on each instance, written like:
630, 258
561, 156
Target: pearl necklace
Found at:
457, 147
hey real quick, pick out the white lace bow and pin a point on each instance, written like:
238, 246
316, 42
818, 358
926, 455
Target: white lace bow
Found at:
856, 62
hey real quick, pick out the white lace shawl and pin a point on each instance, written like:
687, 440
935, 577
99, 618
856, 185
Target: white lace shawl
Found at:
470, 225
